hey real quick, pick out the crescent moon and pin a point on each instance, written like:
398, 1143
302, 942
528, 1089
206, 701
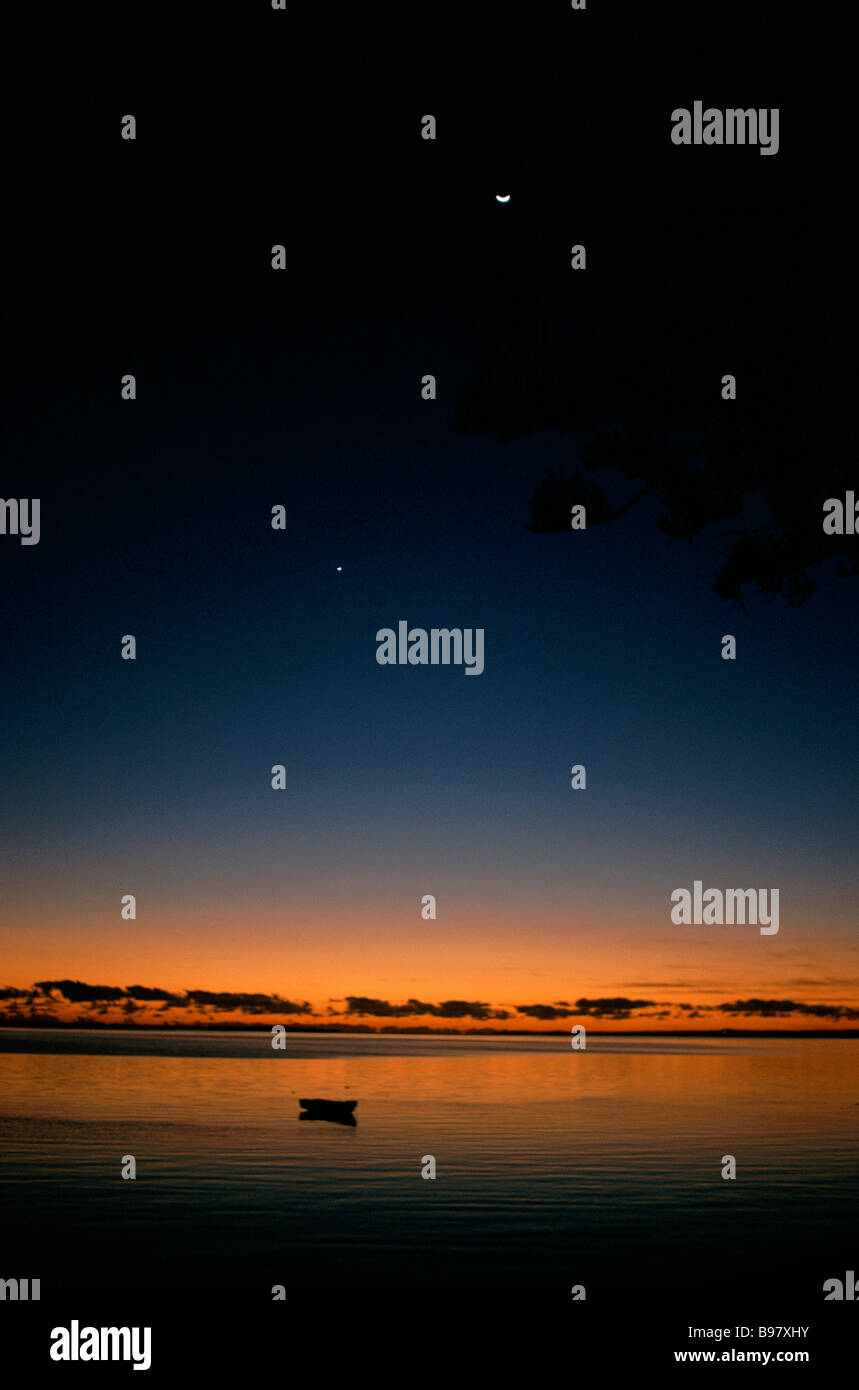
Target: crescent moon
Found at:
505, 199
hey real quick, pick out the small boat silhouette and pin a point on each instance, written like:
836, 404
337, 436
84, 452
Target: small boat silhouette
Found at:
340, 1111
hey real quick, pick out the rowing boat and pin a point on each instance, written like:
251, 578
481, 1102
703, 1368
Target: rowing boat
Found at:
328, 1107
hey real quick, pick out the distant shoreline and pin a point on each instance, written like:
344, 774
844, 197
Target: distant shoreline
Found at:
364, 1030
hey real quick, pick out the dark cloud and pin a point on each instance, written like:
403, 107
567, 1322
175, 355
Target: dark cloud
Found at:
416, 1008
545, 1012
379, 1008
458, 1008
145, 992
98, 998
244, 1003
781, 1008
622, 1008
78, 993
611, 1008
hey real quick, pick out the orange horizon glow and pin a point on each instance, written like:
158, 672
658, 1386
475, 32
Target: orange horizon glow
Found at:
493, 960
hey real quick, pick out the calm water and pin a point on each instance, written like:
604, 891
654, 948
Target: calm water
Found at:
554, 1167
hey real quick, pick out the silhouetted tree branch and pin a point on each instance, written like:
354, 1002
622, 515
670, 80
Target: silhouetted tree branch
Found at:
647, 409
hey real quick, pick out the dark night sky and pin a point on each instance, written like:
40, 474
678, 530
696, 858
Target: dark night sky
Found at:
302, 388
